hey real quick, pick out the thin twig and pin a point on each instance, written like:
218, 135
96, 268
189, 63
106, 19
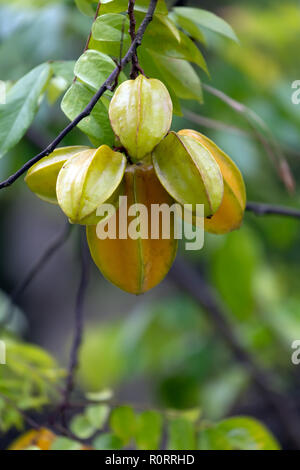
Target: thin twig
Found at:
132, 25
222, 126
90, 35
191, 281
35, 269
259, 208
107, 85
269, 143
87, 44
74, 360
114, 86
213, 123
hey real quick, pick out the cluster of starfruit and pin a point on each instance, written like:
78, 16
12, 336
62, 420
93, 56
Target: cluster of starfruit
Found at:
152, 166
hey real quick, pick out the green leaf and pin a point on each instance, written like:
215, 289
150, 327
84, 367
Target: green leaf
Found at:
236, 285
21, 106
97, 125
123, 423
109, 27
97, 415
93, 419
151, 70
82, 427
118, 6
57, 86
64, 443
181, 77
161, 35
181, 435
33, 354
63, 69
94, 67
102, 395
63, 72
238, 433
191, 52
207, 20
86, 7
158, 37
107, 441
109, 48
168, 22
189, 26
148, 430
191, 414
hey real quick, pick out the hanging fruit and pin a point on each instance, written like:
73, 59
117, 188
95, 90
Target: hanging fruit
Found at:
230, 214
87, 180
189, 173
136, 265
141, 115
41, 178
152, 166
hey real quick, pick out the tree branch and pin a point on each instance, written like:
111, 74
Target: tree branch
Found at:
260, 209
90, 35
191, 281
73, 364
35, 269
107, 85
262, 134
135, 62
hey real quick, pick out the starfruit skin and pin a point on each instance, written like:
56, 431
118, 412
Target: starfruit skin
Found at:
136, 266
140, 113
189, 173
230, 214
87, 180
42, 176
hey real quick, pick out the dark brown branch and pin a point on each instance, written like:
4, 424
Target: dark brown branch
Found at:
132, 22
36, 268
259, 208
73, 364
107, 85
132, 25
191, 281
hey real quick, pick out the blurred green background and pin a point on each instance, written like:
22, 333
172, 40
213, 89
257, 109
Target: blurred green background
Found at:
162, 348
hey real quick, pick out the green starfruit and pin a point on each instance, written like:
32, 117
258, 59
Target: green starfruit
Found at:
140, 113
87, 180
230, 214
41, 178
189, 173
